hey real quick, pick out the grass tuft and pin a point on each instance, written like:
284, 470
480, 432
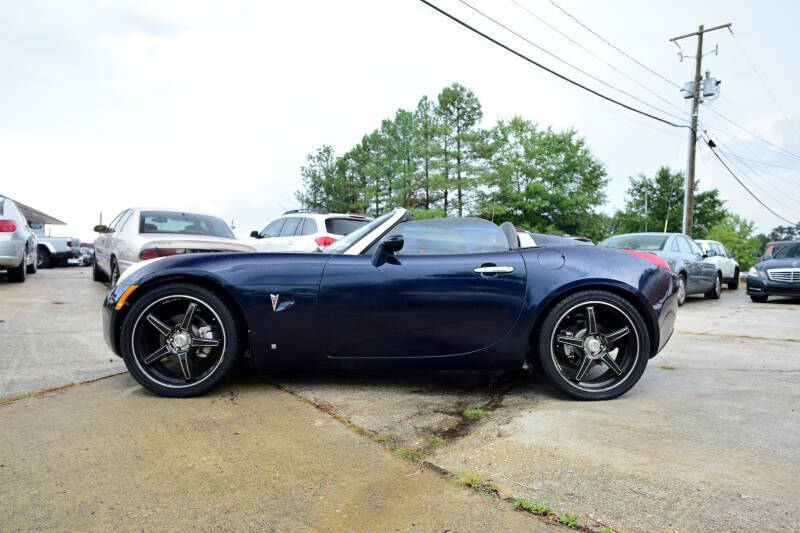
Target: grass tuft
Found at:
540, 509
474, 480
435, 442
474, 413
385, 440
410, 454
568, 520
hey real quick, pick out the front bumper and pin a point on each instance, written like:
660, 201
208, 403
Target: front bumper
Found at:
667, 314
112, 319
758, 286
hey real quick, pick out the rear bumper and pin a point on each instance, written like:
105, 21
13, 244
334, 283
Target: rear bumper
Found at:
11, 253
765, 287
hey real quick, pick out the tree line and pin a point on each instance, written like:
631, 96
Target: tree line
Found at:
437, 160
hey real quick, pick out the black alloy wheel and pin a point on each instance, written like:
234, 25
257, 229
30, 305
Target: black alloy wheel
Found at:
594, 345
179, 340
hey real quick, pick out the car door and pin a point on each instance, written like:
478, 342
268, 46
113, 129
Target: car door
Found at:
286, 239
692, 265
725, 262
705, 270
102, 244
268, 235
419, 304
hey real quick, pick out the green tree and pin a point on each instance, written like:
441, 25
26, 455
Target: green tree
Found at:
664, 196
541, 180
463, 111
318, 177
427, 135
738, 236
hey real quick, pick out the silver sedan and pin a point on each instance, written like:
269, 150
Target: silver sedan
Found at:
138, 234
17, 242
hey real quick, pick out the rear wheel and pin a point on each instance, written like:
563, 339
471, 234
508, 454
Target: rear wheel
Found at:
758, 298
179, 340
716, 290
17, 274
594, 345
734, 283
43, 258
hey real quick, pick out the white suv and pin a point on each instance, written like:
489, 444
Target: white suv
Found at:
724, 260
306, 231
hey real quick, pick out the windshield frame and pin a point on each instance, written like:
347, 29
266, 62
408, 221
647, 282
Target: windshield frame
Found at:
361, 239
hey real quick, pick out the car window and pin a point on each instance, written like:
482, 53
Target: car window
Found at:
343, 226
449, 236
789, 251
675, 246
124, 221
717, 247
115, 222
693, 247
646, 242
183, 224
290, 226
309, 227
273, 228
683, 246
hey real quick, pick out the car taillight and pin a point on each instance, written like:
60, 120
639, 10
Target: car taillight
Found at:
152, 253
7, 226
322, 242
653, 258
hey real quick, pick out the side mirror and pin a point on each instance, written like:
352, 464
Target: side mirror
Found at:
254, 234
387, 247
101, 228
35, 225
755, 254
731, 254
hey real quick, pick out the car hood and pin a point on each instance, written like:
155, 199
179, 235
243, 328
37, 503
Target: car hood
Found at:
779, 263
196, 242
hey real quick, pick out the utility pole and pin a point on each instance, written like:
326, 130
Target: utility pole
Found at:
645, 211
688, 197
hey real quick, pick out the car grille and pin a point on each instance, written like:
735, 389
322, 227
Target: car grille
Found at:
790, 275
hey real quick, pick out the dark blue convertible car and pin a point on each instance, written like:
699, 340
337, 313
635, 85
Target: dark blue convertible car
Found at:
454, 293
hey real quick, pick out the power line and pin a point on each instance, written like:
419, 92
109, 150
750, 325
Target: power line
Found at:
547, 69
712, 146
759, 162
587, 28
757, 136
594, 55
752, 179
764, 84
598, 80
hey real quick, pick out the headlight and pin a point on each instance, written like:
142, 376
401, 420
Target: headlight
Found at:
753, 272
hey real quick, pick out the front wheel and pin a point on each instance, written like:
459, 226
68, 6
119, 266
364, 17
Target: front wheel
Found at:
716, 290
760, 299
179, 340
734, 283
43, 259
594, 345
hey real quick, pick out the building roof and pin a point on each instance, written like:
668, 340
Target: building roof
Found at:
34, 215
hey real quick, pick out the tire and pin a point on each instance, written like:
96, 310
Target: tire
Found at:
17, 274
760, 299
681, 289
629, 352
97, 274
113, 278
716, 291
165, 375
734, 283
43, 259
32, 268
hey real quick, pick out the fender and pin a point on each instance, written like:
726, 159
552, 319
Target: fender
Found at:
48, 245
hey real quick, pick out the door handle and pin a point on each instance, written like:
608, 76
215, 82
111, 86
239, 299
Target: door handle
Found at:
493, 270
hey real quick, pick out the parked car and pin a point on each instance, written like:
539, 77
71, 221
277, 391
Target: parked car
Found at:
398, 293
85, 257
56, 251
17, 242
139, 233
306, 231
723, 259
529, 239
684, 257
777, 276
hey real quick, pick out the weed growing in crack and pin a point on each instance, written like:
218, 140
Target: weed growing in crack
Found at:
541, 509
476, 481
474, 413
385, 440
435, 442
568, 520
410, 454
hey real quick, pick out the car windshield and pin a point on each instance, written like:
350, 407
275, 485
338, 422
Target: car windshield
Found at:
790, 251
183, 224
346, 242
637, 242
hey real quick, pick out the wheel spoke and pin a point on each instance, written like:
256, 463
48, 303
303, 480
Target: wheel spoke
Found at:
187, 318
159, 325
156, 355
183, 359
592, 320
610, 363
614, 336
586, 362
572, 341
198, 342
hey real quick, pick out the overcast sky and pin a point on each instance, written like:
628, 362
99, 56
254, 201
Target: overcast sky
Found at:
212, 106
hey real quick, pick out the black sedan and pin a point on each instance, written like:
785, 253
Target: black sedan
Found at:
396, 293
777, 276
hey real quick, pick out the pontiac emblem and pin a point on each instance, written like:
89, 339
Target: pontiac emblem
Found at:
274, 298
